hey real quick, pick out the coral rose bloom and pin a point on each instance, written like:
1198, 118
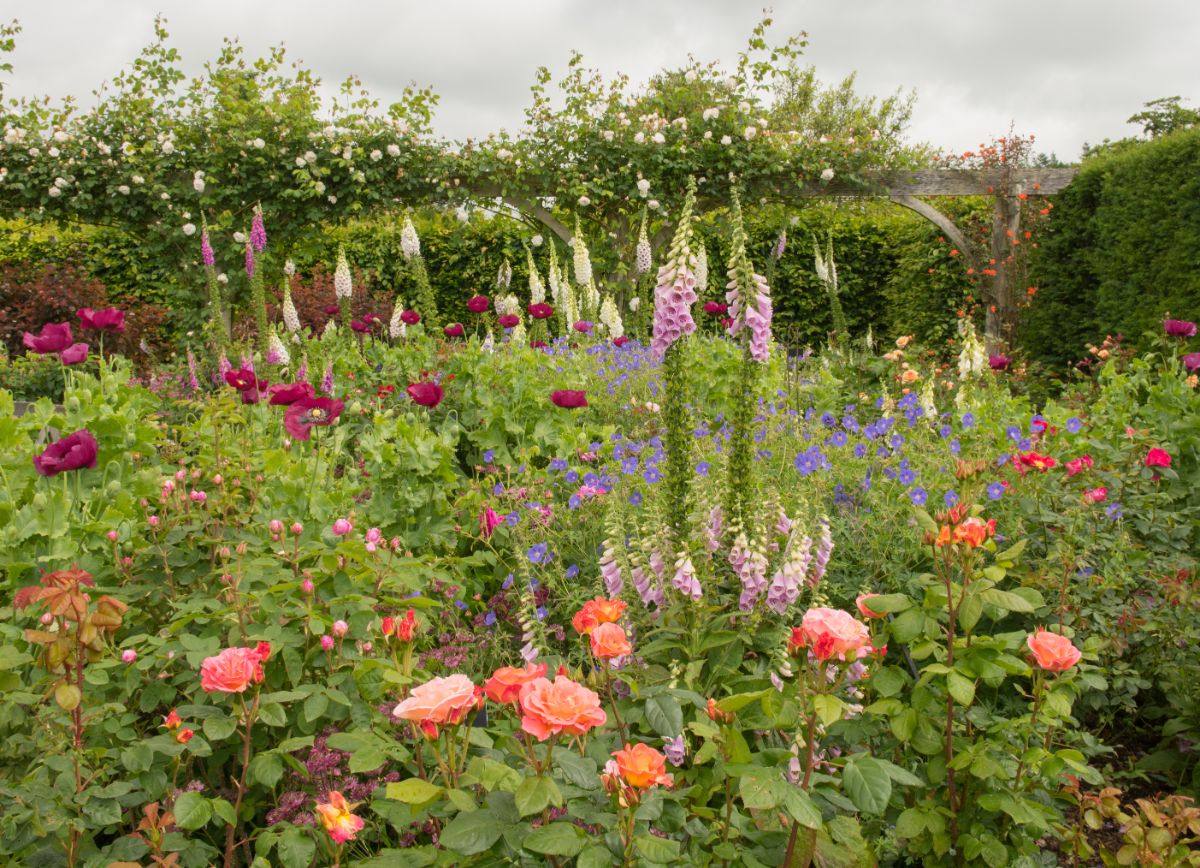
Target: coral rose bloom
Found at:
548, 708
506, 682
1053, 652
834, 633
231, 671
596, 612
641, 766
335, 816
442, 700
861, 602
608, 641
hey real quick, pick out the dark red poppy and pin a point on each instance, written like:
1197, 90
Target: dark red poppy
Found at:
410, 317
73, 452
53, 338
715, 308
478, 303
254, 394
582, 326
454, 330
241, 379
1179, 328
537, 345
286, 394
621, 341
727, 323
306, 413
569, 399
509, 321
360, 325
331, 310
426, 394
107, 319
74, 354
540, 310
999, 362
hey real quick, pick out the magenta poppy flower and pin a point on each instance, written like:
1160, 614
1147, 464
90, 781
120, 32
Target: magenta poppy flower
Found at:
541, 310
1192, 362
74, 354
509, 321
241, 379
331, 310
999, 362
107, 319
286, 394
410, 317
53, 338
715, 308
360, 325
537, 345
73, 452
454, 330
306, 413
426, 394
582, 326
569, 399
1179, 328
254, 394
478, 303
621, 341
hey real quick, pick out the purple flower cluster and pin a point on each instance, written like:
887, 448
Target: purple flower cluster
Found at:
673, 300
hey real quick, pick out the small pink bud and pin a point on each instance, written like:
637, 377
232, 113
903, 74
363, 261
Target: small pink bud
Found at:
342, 526
170, 655
340, 628
112, 536
374, 535
218, 479
128, 655
226, 578
127, 562
153, 521
198, 497
180, 475
276, 526
297, 528
307, 586
196, 473
224, 552
168, 486
395, 543
47, 618
241, 548
327, 642
367, 647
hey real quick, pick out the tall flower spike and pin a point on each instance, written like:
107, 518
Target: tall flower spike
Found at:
748, 295
583, 260
504, 275
206, 250
277, 354
644, 259
410, 243
258, 231
676, 289
611, 318
702, 269
396, 326
291, 318
537, 289
342, 286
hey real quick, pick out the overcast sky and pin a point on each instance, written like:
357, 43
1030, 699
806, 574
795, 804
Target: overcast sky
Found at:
1068, 71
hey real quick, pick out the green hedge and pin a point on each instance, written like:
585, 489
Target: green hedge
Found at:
895, 277
1122, 250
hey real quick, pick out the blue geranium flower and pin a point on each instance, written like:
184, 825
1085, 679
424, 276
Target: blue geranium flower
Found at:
968, 420
995, 491
907, 476
636, 498
702, 468
558, 464
860, 450
839, 439
1074, 425
652, 475
489, 456
537, 553
572, 571
918, 496
950, 498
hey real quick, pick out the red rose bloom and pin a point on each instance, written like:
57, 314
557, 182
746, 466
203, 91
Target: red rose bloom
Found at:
426, 394
1158, 458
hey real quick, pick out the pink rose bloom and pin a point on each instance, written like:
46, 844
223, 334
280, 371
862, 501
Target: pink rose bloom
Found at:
834, 633
1053, 652
488, 522
342, 526
1095, 495
231, 671
327, 642
1158, 458
440, 701
128, 655
549, 708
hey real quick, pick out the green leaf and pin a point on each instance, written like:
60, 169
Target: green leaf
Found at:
888, 680
664, 714
367, 759
762, 791
296, 848
899, 775
867, 784
219, 728
494, 775
910, 823
315, 706
265, 769
578, 770
1006, 600
907, 626
471, 833
656, 849
272, 714
224, 810
740, 700
596, 856
800, 808
1013, 552
904, 724
67, 696
886, 603
413, 791
969, 611
829, 708
192, 811
961, 688
536, 793
11, 658
555, 839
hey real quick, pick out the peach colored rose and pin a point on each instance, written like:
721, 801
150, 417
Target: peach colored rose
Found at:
231, 671
902, 341
336, 817
909, 376
1053, 652
506, 682
596, 612
834, 633
972, 531
641, 766
608, 641
548, 708
863, 610
441, 700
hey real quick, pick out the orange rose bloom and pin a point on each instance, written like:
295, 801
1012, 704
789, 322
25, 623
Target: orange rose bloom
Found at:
641, 766
834, 633
506, 682
1053, 652
596, 612
231, 671
548, 708
442, 700
861, 601
972, 531
335, 816
608, 641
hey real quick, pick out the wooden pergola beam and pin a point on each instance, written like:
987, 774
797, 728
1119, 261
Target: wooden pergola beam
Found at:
949, 182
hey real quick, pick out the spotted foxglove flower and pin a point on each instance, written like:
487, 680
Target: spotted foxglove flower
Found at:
489, 343
611, 317
748, 296
410, 243
749, 564
610, 570
788, 580
291, 319
537, 289
289, 267
277, 351
504, 275
396, 327
824, 550
684, 580
258, 231
582, 261
342, 286
973, 358
644, 258
702, 269
675, 291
